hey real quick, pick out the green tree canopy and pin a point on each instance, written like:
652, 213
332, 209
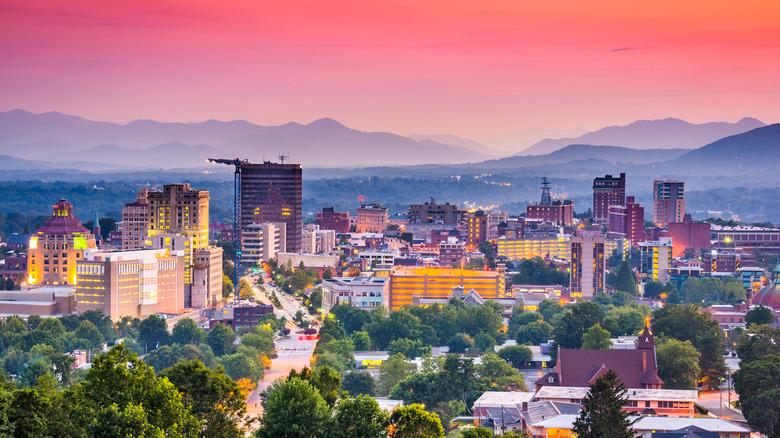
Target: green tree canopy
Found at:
153, 332
758, 386
678, 363
359, 417
293, 409
412, 421
357, 382
186, 331
221, 339
515, 355
602, 413
577, 319
625, 279
759, 315
596, 338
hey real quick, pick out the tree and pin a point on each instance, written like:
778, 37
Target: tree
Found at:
242, 365
534, 333
602, 413
245, 290
678, 364
408, 348
515, 355
625, 279
357, 382
359, 417
119, 384
575, 322
411, 421
759, 315
686, 323
90, 333
153, 332
392, 371
596, 338
227, 286
758, 342
293, 409
186, 331
27, 413
361, 341
460, 343
221, 339
758, 386
484, 342
213, 397
477, 432
496, 371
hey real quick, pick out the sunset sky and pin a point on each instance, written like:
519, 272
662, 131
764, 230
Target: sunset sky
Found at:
471, 68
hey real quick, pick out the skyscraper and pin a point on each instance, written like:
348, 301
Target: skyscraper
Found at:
271, 192
627, 221
586, 277
607, 191
178, 209
668, 202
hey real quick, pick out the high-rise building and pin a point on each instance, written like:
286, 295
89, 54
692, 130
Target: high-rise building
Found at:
668, 202
328, 219
433, 213
655, 260
627, 221
407, 284
178, 209
135, 222
607, 191
477, 225
371, 218
55, 248
271, 192
452, 253
130, 283
206, 287
587, 267
261, 242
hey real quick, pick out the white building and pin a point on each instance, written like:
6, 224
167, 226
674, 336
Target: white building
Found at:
260, 242
361, 292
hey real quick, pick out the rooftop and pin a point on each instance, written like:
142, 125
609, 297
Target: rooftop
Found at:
572, 392
500, 398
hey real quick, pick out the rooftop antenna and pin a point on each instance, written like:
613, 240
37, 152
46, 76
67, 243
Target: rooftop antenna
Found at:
546, 198
283, 157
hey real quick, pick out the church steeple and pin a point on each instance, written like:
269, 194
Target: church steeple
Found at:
645, 340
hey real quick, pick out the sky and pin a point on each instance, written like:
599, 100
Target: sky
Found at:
476, 69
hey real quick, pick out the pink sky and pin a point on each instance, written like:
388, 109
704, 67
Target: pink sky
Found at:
471, 68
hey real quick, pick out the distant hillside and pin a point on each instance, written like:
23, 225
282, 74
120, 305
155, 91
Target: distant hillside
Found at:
755, 153
651, 134
583, 152
324, 142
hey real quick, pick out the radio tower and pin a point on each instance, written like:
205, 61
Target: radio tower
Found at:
546, 198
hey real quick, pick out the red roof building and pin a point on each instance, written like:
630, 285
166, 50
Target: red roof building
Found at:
636, 368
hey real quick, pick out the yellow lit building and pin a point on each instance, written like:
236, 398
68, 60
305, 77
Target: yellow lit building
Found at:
177, 209
406, 283
623, 247
56, 246
519, 249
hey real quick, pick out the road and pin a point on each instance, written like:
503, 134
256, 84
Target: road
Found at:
292, 353
712, 401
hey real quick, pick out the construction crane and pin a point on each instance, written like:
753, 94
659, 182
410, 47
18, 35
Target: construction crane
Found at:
239, 164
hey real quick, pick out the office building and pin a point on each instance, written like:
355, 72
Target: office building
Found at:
135, 222
361, 292
261, 242
130, 283
43, 301
206, 289
765, 239
244, 315
655, 260
561, 212
178, 209
371, 218
433, 213
271, 193
174, 243
607, 191
627, 221
587, 267
477, 226
668, 202
309, 241
55, 248
328, 219
452, 253
689, 234
326, 240
521, 249
408, 284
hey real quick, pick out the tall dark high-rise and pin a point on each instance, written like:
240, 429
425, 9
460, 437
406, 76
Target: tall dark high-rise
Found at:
668, 202
607, 191
271, 192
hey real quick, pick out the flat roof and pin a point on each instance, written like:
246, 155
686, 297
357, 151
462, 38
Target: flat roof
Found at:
500, 398
576, 392
661, 424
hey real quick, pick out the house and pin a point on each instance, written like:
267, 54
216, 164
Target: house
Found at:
636, 368
661, 402
560, 426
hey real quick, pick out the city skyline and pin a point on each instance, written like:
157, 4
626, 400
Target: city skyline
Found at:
473, 70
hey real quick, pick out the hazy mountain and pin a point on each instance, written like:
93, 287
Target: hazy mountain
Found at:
7, 162
454, 140
651, 134
520, 140
582, 153
324, 142
755, 153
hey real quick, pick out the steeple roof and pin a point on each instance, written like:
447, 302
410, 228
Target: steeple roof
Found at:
63, 221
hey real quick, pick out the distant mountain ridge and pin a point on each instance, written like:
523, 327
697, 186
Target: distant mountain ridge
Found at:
669, 133
324, 142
